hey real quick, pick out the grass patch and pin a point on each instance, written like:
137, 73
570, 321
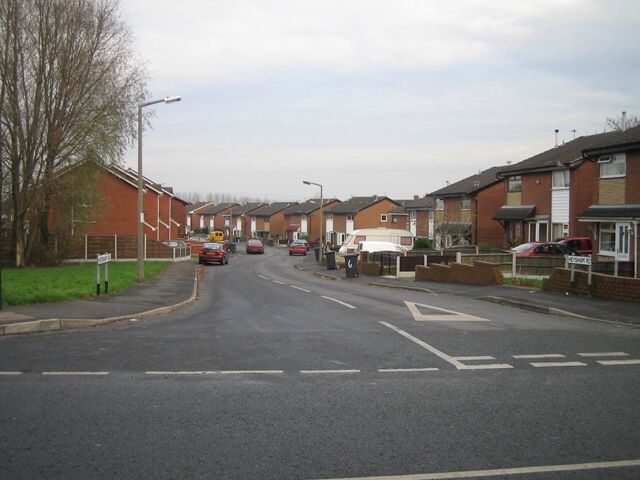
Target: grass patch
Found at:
534, 283
55, 284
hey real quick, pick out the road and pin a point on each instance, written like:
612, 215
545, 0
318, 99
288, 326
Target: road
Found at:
278, 374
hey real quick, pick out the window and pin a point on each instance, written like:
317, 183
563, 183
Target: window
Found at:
561, 179
394, 219
466, 203
559, 230
383, 217
406, 241
607, 239
330, 217
612, 166
439, 204
538, 232
349, 217
515, 183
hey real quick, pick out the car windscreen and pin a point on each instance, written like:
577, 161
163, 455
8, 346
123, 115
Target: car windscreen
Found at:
212, 246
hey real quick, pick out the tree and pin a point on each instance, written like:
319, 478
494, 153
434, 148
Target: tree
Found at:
72, 86
623, 121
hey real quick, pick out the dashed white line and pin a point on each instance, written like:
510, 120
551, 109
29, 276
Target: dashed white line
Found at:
10, 373
503, 472
542, 355
300, 288
263, 277
215, 372
619, 362
252, 372
491, 366
76, 373
603, 354
340, 302
180, 372
279, 283
329, 371
403, 370
558, 364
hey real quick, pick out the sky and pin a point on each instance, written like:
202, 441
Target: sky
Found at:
385, 97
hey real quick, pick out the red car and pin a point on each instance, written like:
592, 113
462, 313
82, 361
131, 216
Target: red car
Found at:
213, 252
298, 247
542, 249
255, 246
582, 245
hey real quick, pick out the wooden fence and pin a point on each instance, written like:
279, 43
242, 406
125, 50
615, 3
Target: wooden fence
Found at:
121, 247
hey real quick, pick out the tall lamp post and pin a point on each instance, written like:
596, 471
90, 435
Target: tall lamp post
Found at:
320, 246
140, 213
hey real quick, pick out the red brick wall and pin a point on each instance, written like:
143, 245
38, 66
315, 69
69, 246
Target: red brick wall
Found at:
632, 187
536, 190
486, 203
602, 286
370, 217
480, 273
452, 209
276, 224
584, 192
178, 214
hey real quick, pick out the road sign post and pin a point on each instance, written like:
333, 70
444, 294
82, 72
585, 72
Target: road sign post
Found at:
577, 260
102, 260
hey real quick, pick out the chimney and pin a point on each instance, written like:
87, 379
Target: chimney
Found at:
624, 121
557, 137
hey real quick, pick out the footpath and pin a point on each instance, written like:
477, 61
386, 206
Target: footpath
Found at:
177, 287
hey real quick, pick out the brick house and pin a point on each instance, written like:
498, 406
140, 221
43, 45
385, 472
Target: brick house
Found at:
544, 194
110, 207
242, 217
414, 215
357, 213
268, 220
193, 217
214, 216
463, 210
303, 219
611, 171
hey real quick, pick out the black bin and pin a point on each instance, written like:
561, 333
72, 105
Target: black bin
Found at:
331, 260
317, 252
351, 265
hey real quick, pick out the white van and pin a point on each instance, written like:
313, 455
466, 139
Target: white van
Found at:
397, 236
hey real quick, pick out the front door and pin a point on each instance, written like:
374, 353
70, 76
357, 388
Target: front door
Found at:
623, 231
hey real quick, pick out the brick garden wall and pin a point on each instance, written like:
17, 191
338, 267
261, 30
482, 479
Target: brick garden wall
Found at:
602, 286
480, 273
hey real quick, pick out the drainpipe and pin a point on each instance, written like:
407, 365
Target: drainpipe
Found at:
635, 253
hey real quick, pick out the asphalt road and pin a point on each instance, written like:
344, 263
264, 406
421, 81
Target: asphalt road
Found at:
277, 374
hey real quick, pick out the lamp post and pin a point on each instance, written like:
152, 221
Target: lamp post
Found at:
140, 213
320, 246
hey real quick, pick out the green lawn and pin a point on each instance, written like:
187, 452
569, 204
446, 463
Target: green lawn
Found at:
534, 283
69, 282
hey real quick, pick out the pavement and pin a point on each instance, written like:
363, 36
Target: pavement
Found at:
177, 287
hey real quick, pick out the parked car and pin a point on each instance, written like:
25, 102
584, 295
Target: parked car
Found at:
199, 237
255, 246
175, 243
542, 249
213, 252
306, 243
582, 245
298, 247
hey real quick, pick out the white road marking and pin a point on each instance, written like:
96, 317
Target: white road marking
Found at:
449, 316
279, 283
10, 373
490, 366
503, 471
558, 364
329, 371
402, 370
604, 354
251, 372
215, 372
479, 357
543, 355
181, 372
340, 302
619, 362
75, 373
300, 288
263, 277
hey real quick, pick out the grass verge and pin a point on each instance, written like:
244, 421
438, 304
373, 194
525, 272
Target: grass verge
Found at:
534, 283
69, 282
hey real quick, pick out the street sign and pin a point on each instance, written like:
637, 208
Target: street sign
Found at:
104, 258
576, 260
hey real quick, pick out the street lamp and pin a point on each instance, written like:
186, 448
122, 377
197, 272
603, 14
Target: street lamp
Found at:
321, 222
140, 213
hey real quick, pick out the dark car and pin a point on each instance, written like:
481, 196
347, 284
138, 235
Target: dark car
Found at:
582, 245
542, 249
298, 247
255, 246
213, 252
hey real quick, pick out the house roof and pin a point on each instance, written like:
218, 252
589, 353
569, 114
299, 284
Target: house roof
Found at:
472, 184
564, 155
355, 204
514, 212
215, 209
308, 206
629, 138
247, 207
192, 207
268, 210
599, 213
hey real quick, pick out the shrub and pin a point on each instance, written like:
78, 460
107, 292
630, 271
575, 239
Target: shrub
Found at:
422, 243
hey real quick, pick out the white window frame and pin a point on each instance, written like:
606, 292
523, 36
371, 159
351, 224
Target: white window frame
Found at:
512, 181
383, 218
610, 163
561, 178
439, 204
608, 228
465, 203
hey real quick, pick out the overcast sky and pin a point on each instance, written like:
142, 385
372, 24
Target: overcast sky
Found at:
387, 97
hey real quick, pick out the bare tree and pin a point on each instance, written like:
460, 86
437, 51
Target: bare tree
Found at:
72, 88
623, 121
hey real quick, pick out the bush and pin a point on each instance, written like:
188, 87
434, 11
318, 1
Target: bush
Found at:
422, 243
